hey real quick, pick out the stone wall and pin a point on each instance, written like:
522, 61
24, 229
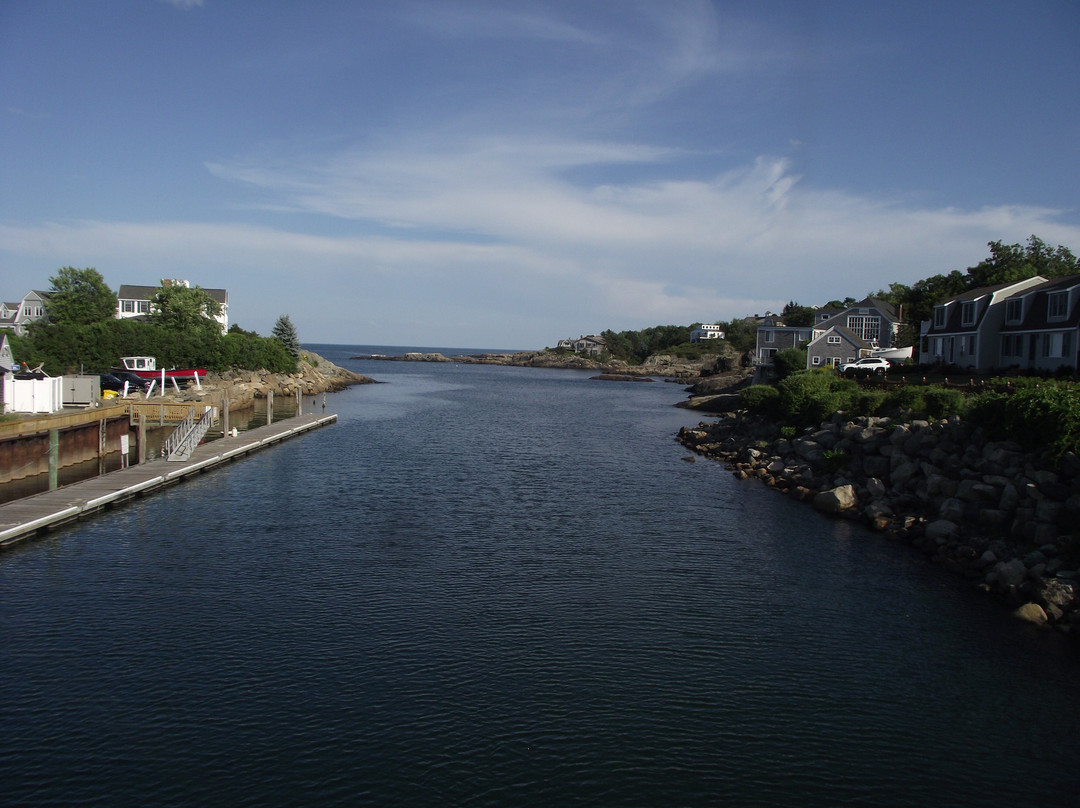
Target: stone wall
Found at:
1006, 519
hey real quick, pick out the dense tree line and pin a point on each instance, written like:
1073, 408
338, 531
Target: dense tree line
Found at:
1007, 263
82, 334
636, 346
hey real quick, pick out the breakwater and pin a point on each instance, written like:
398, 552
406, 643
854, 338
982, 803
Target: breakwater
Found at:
1002, 517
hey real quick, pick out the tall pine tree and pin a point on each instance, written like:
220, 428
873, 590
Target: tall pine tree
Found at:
285, 333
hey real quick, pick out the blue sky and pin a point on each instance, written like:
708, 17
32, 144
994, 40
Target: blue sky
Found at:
504, 174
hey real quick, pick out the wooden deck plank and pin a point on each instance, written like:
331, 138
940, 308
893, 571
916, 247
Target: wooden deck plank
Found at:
25, 517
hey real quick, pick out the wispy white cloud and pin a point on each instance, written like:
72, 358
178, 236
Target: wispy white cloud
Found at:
500, 226
486, 20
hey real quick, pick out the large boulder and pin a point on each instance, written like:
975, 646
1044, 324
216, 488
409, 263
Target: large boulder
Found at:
1032, 612
836, 500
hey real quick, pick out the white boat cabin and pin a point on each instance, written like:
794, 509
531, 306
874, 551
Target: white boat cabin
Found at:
139, 362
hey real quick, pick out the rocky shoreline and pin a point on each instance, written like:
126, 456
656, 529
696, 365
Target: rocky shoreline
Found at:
678, 368
1001, 517
314, 375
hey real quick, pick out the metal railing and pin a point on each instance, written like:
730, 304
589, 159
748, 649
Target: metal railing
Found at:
182, 442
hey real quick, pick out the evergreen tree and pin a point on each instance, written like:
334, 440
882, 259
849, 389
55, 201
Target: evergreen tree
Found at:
285, 333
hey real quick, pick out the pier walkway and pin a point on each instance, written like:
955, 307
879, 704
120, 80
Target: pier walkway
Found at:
25, 517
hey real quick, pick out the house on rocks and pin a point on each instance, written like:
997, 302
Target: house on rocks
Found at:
706, 331
593, 344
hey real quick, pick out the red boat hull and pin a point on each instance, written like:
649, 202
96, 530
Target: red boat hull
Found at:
175, 373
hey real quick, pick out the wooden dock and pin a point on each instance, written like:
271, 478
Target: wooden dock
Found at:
26, 517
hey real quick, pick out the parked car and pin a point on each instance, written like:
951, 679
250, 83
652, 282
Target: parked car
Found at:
110, 382
134, 382
870, 364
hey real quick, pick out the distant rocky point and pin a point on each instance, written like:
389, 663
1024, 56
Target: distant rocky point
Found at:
688, 370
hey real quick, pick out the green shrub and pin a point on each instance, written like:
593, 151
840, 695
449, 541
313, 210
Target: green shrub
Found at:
809, 398
1048, 415
94, 348
1037, 414
906, 397
760, 398
942, 402
989, 409
788, 362
870, 402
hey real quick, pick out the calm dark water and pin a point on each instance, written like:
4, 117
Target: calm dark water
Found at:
497, 586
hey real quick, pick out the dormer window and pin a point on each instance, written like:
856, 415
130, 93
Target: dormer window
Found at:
1014, 310
967, 313
939, 317
1057, 305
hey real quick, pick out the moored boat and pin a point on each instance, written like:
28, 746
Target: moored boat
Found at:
894, 354
146, 367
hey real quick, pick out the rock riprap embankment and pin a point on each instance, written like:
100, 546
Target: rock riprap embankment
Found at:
314, 375
1005, 518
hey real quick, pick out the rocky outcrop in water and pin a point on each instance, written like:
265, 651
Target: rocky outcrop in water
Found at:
1005, 518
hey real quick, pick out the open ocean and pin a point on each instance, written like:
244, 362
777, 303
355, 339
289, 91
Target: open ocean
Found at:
491, 586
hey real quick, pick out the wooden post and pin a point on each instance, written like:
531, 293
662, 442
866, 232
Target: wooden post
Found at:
142, 438
269, 406
324, 402
225, 415
299, 401
54, 459
102, 444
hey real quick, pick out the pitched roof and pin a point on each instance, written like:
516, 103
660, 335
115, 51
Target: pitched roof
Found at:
1035, 316
134, 292
858, 342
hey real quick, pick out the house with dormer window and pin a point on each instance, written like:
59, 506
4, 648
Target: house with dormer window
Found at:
965, 330
137, 301
18, 315
1041, 330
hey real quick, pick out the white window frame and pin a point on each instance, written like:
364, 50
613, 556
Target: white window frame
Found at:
939, 316
833, 339
1014, 310
1057, 305
967, 312
864, 326
815, 360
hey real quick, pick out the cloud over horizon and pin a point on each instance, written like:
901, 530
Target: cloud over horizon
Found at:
442, 172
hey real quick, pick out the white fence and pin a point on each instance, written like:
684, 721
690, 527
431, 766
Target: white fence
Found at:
33, 395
